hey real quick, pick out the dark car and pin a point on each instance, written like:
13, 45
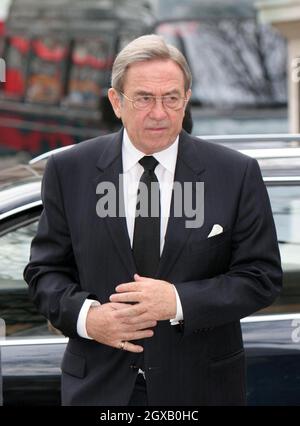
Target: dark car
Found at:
31, 349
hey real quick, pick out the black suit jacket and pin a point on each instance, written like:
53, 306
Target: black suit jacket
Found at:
221, 279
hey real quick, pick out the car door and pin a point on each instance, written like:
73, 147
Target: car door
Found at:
272, 336
31, 349
2, 327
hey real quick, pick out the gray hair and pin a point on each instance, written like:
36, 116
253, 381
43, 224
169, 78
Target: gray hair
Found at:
147, 48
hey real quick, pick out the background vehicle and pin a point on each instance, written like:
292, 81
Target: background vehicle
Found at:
59, 55
32, 350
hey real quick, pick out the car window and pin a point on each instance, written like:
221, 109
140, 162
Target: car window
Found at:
18, 314
285, 201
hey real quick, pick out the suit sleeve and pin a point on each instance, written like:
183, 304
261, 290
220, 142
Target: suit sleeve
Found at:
254, 276
52, 273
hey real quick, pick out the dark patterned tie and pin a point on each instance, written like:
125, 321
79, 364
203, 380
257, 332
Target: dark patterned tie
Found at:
146, 238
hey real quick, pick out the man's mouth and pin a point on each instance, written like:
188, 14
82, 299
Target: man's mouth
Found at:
156, 129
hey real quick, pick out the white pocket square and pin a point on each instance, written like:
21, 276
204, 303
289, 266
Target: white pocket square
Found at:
216, 229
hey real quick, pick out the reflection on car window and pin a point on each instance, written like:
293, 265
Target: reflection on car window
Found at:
285, 202
16, 309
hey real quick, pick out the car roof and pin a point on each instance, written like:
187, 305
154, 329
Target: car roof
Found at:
20, 186
277, 154
277, 162
19, 196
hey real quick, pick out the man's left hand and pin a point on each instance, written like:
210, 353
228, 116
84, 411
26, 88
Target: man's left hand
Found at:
152, 300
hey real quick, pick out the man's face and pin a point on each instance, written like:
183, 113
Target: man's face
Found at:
155, 128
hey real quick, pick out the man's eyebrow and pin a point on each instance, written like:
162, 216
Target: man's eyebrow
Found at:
172, 92
146, 93
143, 93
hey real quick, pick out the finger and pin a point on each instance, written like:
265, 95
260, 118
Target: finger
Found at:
125, 297
127, 287
139, 321
139, 278
136, 335
117, 306
131, 312
131, 347
144, 325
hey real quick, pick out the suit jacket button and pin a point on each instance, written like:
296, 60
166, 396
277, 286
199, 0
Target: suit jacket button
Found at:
134, 367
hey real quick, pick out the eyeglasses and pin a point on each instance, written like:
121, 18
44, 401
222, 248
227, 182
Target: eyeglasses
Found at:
143, 102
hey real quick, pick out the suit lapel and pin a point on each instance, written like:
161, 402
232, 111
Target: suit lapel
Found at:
188, 169
109, 169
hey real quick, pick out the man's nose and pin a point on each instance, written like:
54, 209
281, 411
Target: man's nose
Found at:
158, 110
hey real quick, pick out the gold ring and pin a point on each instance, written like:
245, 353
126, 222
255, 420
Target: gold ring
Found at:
122, 346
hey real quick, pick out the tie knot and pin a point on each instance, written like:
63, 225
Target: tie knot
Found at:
149, 163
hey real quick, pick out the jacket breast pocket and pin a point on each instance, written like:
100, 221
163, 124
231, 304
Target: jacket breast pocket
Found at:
197, 248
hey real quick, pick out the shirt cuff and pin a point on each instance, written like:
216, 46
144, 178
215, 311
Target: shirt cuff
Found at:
81, 321
179, 312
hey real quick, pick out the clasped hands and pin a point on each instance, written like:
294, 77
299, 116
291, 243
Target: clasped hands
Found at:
132, 313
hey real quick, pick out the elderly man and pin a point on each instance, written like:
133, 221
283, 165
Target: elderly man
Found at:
150, 299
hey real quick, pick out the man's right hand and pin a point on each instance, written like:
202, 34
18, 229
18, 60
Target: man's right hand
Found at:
103, 326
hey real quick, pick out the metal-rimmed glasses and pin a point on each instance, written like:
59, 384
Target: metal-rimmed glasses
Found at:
144, 102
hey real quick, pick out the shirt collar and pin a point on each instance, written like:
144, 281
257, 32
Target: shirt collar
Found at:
131, 155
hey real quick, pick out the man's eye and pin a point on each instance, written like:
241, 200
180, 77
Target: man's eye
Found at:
144, 98
172, 98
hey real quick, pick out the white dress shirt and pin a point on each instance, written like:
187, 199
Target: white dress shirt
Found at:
132, 172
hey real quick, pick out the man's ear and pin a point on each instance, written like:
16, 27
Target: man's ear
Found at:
115, 101
188, 94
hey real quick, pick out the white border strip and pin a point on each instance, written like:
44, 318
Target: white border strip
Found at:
269, 318
281, 178
29, 341
254, 137
20, 209
271, 153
